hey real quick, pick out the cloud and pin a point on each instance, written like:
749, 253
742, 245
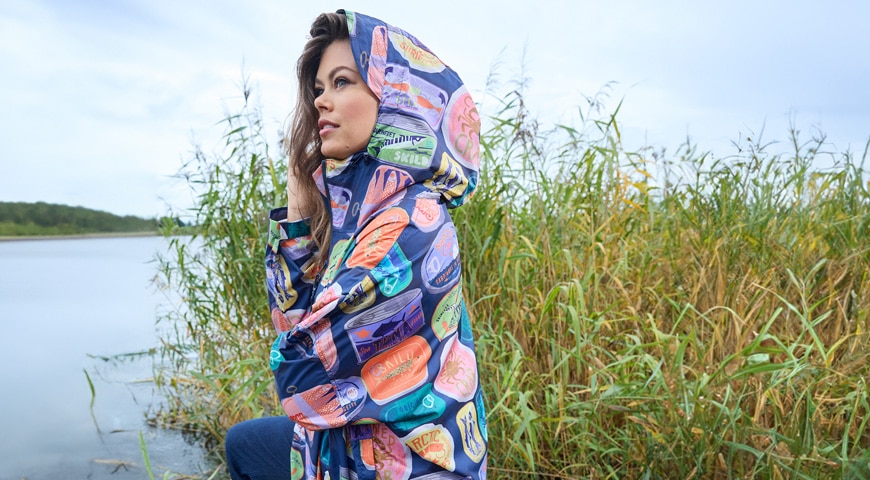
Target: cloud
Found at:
104, 98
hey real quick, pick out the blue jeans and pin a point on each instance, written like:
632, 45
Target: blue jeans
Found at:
259, 449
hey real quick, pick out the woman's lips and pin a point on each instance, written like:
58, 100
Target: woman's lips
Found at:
326, 127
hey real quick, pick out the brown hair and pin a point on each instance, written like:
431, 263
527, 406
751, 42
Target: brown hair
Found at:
302, 142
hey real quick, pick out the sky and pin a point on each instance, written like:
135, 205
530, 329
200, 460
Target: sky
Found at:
101, 102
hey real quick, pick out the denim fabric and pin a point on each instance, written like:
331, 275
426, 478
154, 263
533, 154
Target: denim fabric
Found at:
259, 449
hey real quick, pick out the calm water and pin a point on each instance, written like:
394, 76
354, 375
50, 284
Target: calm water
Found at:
65, 305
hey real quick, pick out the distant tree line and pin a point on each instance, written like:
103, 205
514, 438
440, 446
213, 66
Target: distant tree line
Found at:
40, 218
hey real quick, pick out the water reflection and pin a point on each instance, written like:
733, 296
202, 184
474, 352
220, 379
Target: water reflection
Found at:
69, 310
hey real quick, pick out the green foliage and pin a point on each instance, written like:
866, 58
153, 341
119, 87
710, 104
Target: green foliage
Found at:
40, 218
217, 338
638, 315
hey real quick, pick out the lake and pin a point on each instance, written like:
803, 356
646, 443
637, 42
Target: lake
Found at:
69, 306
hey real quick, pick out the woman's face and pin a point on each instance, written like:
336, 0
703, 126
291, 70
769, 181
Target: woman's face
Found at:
347, 107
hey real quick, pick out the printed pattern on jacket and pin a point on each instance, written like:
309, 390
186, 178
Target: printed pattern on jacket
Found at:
374, 359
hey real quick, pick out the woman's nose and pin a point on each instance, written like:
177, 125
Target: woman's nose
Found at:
321, 102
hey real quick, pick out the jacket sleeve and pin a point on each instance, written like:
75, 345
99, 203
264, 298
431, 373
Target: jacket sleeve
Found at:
372, 329
290, 273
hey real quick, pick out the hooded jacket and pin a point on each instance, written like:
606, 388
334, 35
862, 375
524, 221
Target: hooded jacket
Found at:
374, 359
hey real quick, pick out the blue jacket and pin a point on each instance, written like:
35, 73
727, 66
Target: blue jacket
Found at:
374, 359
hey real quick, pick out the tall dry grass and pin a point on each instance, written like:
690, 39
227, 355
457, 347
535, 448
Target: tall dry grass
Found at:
639, 315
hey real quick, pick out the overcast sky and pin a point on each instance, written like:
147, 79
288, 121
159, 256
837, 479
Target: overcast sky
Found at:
101, 100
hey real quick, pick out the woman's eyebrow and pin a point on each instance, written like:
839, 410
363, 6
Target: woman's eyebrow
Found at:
334, 72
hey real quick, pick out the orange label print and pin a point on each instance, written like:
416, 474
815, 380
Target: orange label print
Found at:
377, 238
387, 183
433, 443
398, 370
426, 214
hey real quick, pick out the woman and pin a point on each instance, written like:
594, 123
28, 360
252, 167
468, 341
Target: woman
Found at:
374, 361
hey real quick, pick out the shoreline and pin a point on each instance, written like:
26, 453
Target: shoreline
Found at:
78, 236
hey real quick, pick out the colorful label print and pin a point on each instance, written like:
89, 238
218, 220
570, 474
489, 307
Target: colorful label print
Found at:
336, 257
461, 128
316, 408
415, 408
377, 238
481, 414
394, 273
386, 325
458, 376
376, 62
433, 443
284, 321
324, 303
427, 214
297, 466
274, 236
397, 371
417, 56
472, 441
352, 395
275, 357
441, 476
466, 334
279, 282
340, 199
403, 140
447, 314
449, 180
410, 93
392, 459
335, 166
385, 185
441, 266
361, 296
316, 342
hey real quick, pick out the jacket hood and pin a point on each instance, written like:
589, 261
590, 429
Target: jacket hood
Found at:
427, 129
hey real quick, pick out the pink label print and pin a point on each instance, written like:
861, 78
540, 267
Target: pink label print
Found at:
427, 214
458, 376
378, 60
462, 128
392, 458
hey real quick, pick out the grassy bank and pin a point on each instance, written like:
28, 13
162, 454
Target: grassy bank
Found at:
77, 236
638, 314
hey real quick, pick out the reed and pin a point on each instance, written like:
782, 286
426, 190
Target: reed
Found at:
638, 315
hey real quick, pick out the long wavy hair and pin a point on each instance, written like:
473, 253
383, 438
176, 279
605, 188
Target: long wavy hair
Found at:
302, 142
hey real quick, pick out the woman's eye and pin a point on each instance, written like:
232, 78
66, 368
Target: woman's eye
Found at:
340, 82
318, 92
